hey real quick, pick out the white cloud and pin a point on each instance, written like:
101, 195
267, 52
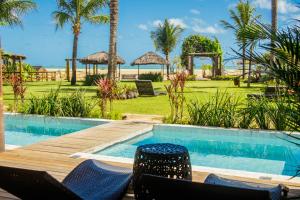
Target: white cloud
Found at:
195, 11
143, 27
174, 21
284, 6
208, 29
200, 26
178, 22
157, 23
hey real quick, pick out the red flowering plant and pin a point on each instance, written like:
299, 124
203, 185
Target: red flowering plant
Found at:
18, 89
176, 96
106, 93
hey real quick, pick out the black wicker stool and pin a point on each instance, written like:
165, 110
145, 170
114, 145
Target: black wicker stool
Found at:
168, 160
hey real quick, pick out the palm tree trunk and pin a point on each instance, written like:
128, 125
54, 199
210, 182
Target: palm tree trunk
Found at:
168, 65
2, 138
250, 66
274, 15
74, 59
112, 61
244, 61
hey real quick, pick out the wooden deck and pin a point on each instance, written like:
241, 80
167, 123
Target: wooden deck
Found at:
53, 155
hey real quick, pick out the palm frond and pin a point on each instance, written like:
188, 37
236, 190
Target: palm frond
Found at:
11, 11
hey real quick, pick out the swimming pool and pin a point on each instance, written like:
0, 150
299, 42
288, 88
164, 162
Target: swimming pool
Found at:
22, 130
242, 150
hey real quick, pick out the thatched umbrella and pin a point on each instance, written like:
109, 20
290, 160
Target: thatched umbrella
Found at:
149, 58
95, 59
99, 58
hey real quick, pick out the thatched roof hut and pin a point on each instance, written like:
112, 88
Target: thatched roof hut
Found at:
149, 58
99, 58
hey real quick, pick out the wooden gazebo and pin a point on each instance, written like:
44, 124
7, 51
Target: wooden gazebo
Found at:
150, 58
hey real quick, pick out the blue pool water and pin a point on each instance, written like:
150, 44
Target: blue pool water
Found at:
23, 130
253, 151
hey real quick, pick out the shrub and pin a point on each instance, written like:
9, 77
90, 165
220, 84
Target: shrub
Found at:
220, 110
106, 92
191, 77
71, 105
91, 79
176, 96
18, 89
223, 78
153, 76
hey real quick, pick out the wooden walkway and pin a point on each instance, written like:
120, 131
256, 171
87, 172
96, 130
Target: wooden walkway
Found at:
53, 155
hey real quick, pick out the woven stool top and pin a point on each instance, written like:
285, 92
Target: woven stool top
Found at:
162, 149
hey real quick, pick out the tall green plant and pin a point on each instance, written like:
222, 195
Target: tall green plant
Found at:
76, 12
219, 110
55, 104
243, 16
165, 39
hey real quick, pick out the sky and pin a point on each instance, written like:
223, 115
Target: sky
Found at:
43, 45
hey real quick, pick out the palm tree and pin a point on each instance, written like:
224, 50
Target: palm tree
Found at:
243, 17
10, 15
77, 12
112, 61
165, 38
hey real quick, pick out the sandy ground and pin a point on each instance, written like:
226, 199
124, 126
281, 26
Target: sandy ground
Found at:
125, 72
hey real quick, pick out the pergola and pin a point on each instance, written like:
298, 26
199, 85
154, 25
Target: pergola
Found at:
216, 62
99, 58
150, 58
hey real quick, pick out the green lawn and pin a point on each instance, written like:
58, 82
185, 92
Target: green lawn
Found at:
142, 105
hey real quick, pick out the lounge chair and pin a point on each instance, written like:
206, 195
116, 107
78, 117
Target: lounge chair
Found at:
153, 187
145, 88
91, 180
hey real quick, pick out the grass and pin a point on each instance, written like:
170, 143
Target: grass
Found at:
143, 105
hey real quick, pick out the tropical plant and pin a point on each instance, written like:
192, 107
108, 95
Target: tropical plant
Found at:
219, 110
243, 17
55, 104
92, 79
106, 92
165, 39
176, 96
76, 12
18, 89
11, 12
114, 18
153, 76
285, 64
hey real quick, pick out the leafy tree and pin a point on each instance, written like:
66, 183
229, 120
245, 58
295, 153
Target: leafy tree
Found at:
76, 12
165, 39
242, 17
11, 12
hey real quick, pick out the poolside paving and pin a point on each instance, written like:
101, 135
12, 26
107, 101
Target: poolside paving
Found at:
54, 155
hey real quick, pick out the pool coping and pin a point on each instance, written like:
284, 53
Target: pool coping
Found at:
88, 154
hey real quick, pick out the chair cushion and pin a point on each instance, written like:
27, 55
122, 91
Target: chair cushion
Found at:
275, 191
